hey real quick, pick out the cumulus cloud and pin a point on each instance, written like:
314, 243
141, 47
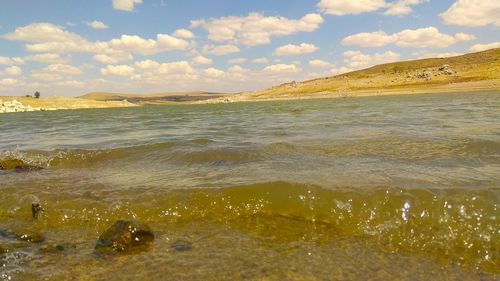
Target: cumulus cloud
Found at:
184, 33
255, 29
260, 61
484, 47
429, 37
201, 60
428, 55
56, 72
11, 61
125, 5
12, 71
238, 61
345, 7
473, 13
220, 50
350, 7
47, 58
282, 68
118, 70
97, 24
214, 73
320, 63
8, 82
359, 60
295, 50
402, 7
114, 58
50, 38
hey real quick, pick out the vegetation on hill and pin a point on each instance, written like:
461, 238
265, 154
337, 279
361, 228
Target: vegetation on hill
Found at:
417, 74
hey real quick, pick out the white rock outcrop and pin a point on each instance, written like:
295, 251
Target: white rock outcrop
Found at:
15, 106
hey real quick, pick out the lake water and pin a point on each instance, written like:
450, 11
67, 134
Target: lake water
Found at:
372, 188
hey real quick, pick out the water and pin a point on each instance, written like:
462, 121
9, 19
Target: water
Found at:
374, 188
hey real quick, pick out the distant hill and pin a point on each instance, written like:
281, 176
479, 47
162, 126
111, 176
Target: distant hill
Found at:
157, 98
480, 70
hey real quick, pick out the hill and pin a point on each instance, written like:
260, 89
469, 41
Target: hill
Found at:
470, 72
157, 98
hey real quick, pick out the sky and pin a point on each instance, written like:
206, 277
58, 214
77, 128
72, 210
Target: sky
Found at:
72, 47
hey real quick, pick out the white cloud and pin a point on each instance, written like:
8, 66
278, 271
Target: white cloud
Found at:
11, 61
55, 72
295, 50
428, 55
282, 68
355, 7
320, 63
184, 33
484, 47
402, 7
429, 37
345, 7
97, 24
260, 61
145, 47
12, 71
50, 38
220, 50
118, 70
201, 60
238, 61
358, 60
473, 13
43, 33
255, 29
114, 58
125, 5
47, 58
63, 69
214, 73
367, 39
8, 82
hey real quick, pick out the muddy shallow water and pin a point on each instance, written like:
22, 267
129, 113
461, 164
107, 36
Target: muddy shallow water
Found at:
375, 188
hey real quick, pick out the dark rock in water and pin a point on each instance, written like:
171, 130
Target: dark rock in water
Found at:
29, 236
125, 236
181, 246
26, 235
36, 210
2, 250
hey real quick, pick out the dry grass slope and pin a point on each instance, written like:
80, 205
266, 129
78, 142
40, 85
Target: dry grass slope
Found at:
477, 70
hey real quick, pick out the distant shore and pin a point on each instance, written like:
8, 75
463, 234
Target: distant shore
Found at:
464, 87
10, 104
63, 103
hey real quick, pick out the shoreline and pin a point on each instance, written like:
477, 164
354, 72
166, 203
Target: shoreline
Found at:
456, 88
15, 104
63, 103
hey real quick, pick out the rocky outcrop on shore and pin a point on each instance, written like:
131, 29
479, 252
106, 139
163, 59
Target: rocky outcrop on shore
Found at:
15, 106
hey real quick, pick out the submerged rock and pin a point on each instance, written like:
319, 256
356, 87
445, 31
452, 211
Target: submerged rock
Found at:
24, 235
36, 210
181, 246
126, 236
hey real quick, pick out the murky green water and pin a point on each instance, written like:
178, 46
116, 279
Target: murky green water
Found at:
376, 188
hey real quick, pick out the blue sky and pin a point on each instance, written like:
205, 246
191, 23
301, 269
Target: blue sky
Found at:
70, 47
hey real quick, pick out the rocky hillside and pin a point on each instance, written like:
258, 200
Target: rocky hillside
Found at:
417, 74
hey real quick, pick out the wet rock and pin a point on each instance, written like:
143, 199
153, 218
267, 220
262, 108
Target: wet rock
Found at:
181, 246
24, 235
36, 210
32, 237
126, 236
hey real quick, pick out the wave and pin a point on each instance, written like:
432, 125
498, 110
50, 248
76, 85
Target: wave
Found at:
458, 226
206, 151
